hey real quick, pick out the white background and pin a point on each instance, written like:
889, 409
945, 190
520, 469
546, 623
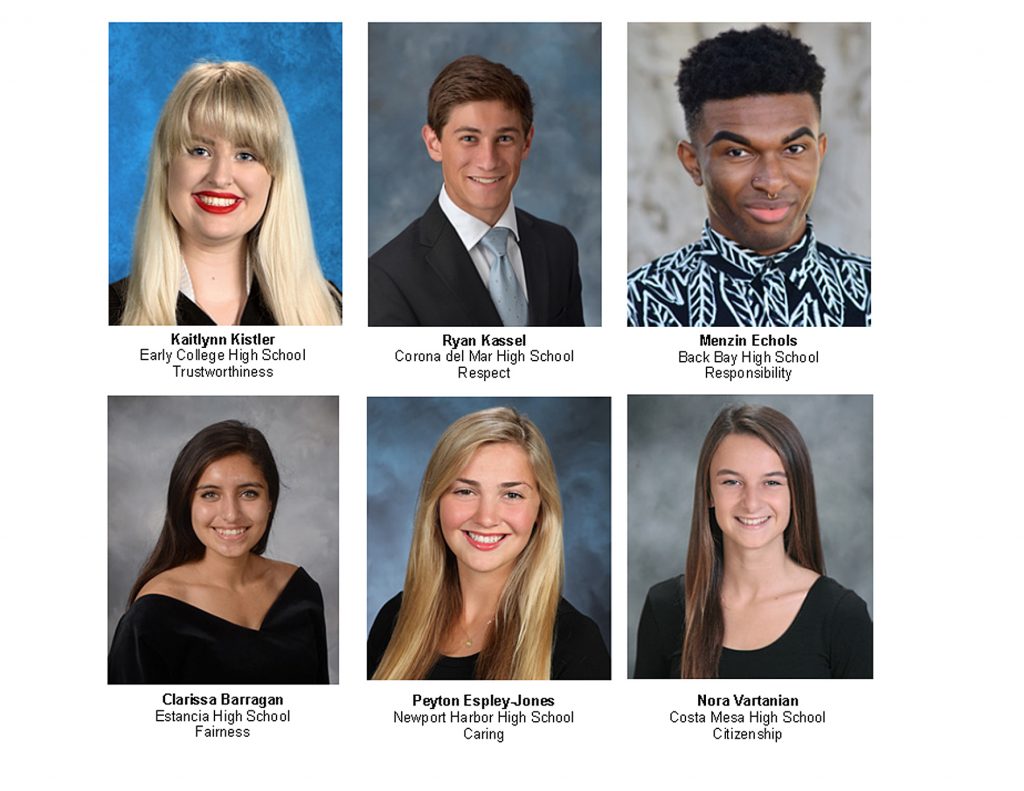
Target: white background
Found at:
940, 360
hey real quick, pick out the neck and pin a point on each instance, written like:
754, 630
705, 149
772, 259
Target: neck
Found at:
231, 573
750, 573
480, 593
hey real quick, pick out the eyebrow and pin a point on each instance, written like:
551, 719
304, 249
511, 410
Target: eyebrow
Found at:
504, 485
501, 130
774, 474
725, 134
249, 485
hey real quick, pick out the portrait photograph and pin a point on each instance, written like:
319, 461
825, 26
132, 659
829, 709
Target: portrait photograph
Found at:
225, 173
522, 103
222, 540
488, 519
760, 507
749, 174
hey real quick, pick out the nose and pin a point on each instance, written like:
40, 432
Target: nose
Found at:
769, 177
751, 499
221, 172
229, 510
487, 512
487, 155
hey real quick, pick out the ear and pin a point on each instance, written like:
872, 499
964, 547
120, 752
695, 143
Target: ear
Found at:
822, 145
432, 141
529, 142
691, 164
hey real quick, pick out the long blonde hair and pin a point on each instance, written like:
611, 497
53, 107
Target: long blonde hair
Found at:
522, 639
242, 104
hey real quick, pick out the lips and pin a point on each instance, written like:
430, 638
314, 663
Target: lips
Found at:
754, 522
217, 202
231, 533
769, 212
485, 542
486, 180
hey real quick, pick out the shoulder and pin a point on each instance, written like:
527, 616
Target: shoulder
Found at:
530, 223
845, 257
579, 649
570, 622
679, 263
667, 595
408, 245
118, 293
836, 603
174, 583
388, 613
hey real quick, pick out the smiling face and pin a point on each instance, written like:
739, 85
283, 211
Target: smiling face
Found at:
481, 150
231, 506
749, 492
758, 159
217, 192
488, 513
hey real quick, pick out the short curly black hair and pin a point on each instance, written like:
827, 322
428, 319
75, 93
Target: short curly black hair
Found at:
739, 63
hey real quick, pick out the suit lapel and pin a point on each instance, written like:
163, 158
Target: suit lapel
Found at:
449, 260
535, 267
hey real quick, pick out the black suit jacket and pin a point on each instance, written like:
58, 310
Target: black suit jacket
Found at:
425, 277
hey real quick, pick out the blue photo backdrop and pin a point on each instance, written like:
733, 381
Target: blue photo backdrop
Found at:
303, 61
400, 436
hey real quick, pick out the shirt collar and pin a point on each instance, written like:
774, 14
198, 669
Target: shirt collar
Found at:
471, 229
752, 264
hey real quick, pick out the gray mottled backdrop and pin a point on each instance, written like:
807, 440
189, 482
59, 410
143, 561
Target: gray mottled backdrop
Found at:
145, 435
400, 436
561, 180
666, 209
665, 436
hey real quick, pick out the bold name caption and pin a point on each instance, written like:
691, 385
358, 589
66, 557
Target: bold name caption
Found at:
727, 716
485, 356
195, 355
222, 717
750, 363
486, 718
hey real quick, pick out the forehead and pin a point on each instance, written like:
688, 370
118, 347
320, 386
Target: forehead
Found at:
745, 453
768, 117
237, 466
487, 115
504, 461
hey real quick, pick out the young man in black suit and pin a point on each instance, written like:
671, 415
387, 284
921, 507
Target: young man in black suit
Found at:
474, 259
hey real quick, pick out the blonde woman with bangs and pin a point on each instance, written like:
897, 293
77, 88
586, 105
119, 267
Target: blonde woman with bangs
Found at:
483, 587
223, 234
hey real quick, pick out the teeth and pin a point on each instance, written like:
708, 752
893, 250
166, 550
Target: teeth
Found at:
237, 531
209, 200
482, 539
482, 180
753, 522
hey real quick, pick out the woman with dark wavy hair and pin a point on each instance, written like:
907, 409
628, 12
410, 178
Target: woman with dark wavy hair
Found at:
754, 602
207, 607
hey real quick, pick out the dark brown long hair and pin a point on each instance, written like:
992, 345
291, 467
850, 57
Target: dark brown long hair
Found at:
705, 626
178, 543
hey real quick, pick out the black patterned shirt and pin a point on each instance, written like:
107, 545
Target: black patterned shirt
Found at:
716, 283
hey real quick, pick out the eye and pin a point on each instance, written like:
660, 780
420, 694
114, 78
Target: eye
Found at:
512, 495
250, 494
506, 139
462, 491
773, 482
796, 148
736, 153
208, 495
199, 151
246, 156
729, 482
468, 138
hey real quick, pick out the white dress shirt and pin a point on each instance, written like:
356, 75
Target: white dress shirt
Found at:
471, 230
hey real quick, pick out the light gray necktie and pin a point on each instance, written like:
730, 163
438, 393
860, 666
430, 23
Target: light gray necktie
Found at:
508, 298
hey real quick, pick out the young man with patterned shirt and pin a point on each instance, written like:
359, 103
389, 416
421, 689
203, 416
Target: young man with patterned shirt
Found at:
752, 101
